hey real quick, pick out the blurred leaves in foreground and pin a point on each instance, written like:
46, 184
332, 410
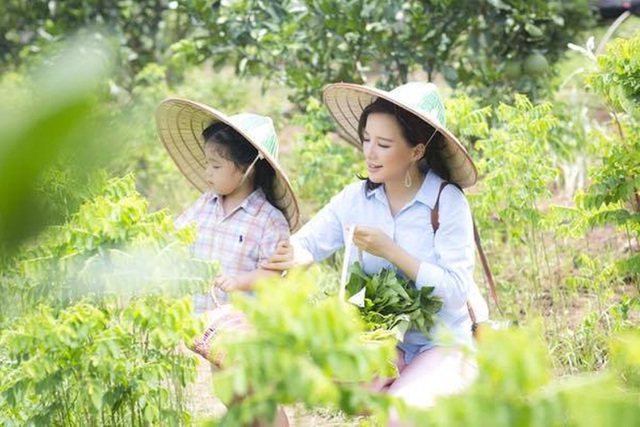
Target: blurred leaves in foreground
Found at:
301, 351
109, 251
316, 354
52, 139
515, 387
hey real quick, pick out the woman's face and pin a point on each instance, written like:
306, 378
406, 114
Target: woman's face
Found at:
386, 150
223, 176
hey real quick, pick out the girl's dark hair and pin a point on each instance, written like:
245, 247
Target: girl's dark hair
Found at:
235, 148
416, 131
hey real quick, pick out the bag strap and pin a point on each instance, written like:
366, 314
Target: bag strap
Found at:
435, 223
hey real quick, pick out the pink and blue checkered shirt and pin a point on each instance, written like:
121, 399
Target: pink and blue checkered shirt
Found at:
240, 239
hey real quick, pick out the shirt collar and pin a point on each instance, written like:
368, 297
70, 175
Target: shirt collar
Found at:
211, 197
377, 192
427, 194
250, 205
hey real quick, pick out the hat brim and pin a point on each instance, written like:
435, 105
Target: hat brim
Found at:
180, 123
347, 101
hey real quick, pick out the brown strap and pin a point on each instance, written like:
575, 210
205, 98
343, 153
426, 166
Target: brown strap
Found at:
435, 223
472, 314
435, 220
485, 266
474, 320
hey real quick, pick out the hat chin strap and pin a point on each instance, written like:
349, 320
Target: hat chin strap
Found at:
435, 131
248, 171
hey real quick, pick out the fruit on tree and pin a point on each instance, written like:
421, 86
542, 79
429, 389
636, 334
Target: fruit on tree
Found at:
512, 70
535, 64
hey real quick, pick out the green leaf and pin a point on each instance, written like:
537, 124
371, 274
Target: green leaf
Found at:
393, 303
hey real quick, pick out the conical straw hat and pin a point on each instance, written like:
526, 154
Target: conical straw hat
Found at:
180, 123
346, 101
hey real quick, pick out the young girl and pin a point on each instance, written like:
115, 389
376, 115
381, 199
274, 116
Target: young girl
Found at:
247, 204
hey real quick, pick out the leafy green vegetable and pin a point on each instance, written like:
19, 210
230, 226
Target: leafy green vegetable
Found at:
391, 302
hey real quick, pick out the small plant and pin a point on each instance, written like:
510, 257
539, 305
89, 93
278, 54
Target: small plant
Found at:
86, 365
613, 196
517, 170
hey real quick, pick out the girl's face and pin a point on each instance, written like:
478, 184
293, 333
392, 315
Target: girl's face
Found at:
223, 176
386, 150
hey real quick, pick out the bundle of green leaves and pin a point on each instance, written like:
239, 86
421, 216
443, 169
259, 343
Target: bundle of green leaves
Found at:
389, 302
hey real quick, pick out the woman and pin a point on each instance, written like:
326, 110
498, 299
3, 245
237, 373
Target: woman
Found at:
409, 155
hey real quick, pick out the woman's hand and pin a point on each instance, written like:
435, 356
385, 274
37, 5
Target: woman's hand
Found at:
226, 283
282, 258
373, 241
377, 243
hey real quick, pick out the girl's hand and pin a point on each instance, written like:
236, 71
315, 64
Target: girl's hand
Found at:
226, 283
282, 258
373, 241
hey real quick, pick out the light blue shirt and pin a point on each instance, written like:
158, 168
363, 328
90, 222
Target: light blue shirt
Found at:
447, 261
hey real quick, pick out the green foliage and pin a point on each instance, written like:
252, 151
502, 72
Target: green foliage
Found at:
90, 366
584, 347
142, 30
340, 41
95, 315
299, 351
306, 44
618, 80
516, 167
392, 303
511, 44
112, 245
618, 76
514, 387
49, 147
613, 193
625, 358
467, 119
613, 197
323, 166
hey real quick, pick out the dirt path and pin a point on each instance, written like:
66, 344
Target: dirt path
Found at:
201, 401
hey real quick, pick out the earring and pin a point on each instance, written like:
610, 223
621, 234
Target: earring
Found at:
408, 182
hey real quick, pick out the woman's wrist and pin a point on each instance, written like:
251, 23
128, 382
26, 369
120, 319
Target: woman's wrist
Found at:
404, 262
394, 253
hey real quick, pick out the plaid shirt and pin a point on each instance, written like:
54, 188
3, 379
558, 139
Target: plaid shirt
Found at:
240, 239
